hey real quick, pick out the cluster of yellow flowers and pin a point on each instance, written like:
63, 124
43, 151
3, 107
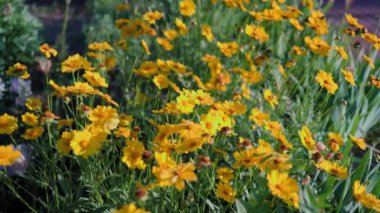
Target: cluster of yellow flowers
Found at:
208, 117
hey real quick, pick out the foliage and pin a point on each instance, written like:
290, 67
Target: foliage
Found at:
18, 33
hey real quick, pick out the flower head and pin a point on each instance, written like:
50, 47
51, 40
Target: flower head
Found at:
130, 208
74, 63
152, 16
360, 142
348, 76
8, 124
207, 32
29, 119
8, 155
256, 32
187, 7
270, 98
48, 51
63, 144
87, 142
33, 133
100, 46
333, 168
228, 48
317, 45
307, 138
284, 187
95, 79
326, 80
368, 200
18, 70
104, 117
225, 191
133, 155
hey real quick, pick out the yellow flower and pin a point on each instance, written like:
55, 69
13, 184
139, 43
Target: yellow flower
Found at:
211, 122
276, 161
110, 62
190, 144
18, 70
165, 43
207, 32
8, 155
353, 21
225, 191
63, 144
48, 51
259, 117
335, 141
375, 81
203, 97
152, 16
368, 200
252, 156
58, 90
224, 174
283, 187
130, 208
181, 26
145, 47
33, 104
123, 132
161, 81
296, 24
371, 38
147, 69
30, 119
326, 80
33, 133
177, 174
307, 138
104, 117
133, 153
189, 130
298, 50
348, 76
100, 46
87, 142
318, 22
359, 142
341, 52
228, 48
187, 7
270, 98
170, 34
177, 67
74, 63
369, 61
95, 79
80, 88
8, 124
333, 168
231, 108
256, 32
317, 45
